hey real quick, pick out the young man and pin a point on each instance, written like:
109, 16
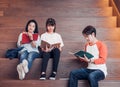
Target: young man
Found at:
96, 69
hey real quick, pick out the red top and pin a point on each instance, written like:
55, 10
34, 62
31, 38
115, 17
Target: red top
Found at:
26, 39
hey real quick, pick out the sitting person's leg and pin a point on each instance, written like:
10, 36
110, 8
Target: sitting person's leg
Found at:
75, 75
22, 56
56, 57
27, 63
94, 77
46, 56
31, 57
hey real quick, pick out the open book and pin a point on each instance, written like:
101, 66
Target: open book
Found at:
26, 39
51, 46
82, 53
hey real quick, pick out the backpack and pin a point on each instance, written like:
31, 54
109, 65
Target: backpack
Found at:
13, 53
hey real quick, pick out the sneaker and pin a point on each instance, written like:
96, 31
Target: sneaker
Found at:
43, 77
25, 66
20, 72
52, 76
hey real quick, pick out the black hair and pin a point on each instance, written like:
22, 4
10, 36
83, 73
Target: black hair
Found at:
51, 22
89, 30
36, 26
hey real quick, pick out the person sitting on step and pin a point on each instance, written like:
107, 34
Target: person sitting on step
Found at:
96, 69
51, 37
30, 40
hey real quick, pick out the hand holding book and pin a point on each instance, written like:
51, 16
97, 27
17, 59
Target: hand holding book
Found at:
26, 38
82, 54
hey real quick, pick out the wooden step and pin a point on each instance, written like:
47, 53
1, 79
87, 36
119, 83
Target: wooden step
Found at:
73, 22
1, 13
59, 29
62, 3
75, 34
9, 72
59, 12
5, 47
50, 83
113, 48
72, 46
4, 4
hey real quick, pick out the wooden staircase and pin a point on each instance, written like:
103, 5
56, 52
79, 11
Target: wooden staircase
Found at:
72, 16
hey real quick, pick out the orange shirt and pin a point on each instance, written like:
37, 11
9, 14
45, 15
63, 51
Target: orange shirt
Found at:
99, 51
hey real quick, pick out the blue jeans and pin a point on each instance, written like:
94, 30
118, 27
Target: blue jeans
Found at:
93, 76
29, 57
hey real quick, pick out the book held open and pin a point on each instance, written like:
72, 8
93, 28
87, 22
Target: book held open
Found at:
82, 53
51, 46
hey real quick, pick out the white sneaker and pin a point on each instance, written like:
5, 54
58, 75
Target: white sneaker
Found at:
25, 65
20, 71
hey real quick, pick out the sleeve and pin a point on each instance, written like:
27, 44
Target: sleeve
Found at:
61, 41
102, 54
42, 37
19, 40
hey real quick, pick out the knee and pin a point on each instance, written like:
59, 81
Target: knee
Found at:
56, 50
91, 77
30, 57
22, 54
72, 73
45, 55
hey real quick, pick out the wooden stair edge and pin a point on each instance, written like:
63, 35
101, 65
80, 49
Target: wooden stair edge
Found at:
53, 83
61, 79
72, 57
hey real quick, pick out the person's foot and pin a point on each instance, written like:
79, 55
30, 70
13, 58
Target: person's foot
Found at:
20, 72
25, 66
52, 76
43, 77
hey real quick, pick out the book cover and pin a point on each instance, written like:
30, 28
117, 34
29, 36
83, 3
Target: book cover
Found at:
26, 39
82, 53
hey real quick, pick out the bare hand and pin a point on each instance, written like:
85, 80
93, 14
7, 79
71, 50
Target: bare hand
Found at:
85, 59
30, 35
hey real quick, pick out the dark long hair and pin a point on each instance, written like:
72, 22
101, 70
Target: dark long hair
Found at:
51, 22
36, 26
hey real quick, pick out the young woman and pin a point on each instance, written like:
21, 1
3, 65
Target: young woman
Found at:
30, 40
96, 69
51, 37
